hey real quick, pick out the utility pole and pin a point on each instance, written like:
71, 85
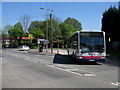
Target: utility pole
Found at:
47, 13
51, 33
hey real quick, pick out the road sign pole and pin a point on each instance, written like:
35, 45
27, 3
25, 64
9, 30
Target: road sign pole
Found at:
38, 44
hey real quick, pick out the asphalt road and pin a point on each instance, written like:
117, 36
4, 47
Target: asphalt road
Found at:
22, 69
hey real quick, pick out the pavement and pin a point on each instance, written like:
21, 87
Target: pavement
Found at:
48, 52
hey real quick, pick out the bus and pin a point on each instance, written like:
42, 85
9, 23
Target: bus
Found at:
87, 46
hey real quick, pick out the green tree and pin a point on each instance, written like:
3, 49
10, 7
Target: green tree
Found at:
111, 25
56, 30
19, 26
66, 31
34, 24
17, 32
37, 32
35, 29
46, 25
75, 23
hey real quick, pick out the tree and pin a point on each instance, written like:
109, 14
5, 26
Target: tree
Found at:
22, 34
35, 29
37, 32
58, 20
25, 20
34, 24
56, 30
5, 30
17, 32
75, 23
111, 23
66, 31
19, 26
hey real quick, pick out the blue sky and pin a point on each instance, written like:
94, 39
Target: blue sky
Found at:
88, 13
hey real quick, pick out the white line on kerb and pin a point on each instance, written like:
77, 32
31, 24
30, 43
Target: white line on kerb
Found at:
116, 84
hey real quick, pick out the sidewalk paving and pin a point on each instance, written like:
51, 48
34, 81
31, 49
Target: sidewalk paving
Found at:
55, 51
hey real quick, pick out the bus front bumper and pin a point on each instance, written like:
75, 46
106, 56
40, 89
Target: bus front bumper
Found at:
91, 59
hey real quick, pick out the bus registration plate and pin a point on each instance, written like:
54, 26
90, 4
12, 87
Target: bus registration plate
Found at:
91, 60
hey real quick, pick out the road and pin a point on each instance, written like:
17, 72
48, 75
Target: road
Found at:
21, 69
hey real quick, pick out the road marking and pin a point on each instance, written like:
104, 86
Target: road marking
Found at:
90, 75
116, 84
58, 66
73, 70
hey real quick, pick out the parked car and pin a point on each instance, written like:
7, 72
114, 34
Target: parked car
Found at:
24, 48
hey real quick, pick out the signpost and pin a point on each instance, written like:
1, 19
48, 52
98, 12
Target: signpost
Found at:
46, 43
41, 42
40, 47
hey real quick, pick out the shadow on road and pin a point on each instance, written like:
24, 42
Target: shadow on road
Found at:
113, 61
65, 59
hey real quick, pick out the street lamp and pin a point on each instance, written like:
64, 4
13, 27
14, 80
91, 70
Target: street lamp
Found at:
47, 12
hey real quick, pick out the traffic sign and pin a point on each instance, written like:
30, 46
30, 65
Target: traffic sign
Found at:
41, 39
46, 40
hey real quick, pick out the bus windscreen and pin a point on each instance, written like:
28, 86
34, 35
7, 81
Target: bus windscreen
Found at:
91, 42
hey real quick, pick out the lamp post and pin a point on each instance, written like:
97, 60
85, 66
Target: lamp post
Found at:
47, 12
51, 44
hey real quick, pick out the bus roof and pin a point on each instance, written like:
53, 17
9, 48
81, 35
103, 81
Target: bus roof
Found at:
83, 31
90, 31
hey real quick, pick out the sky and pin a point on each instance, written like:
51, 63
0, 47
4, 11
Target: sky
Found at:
89, 14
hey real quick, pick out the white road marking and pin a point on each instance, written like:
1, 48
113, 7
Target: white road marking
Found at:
90, 75
72, 70
116, 84
58, 66
64, 70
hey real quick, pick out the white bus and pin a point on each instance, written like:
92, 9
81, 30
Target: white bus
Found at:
87, 46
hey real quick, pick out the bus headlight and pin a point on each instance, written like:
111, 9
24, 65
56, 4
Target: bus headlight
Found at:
80, 57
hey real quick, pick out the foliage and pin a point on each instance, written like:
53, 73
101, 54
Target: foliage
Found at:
42, 29
66, 31
111, 23
15, 32
36, 30
19, 26
58, 20
5, 31
34, 24
75, 23
56, 30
